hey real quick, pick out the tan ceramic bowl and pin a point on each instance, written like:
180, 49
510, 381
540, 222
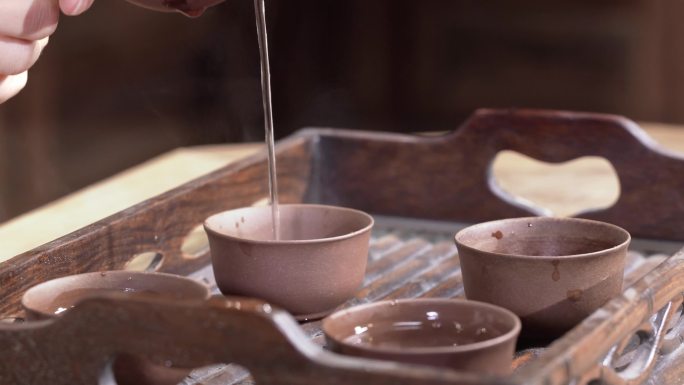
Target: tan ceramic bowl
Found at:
52, 298
552, 272
318, 263
458, 334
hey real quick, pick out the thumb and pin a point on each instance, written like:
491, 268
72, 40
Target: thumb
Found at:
11, 85
74, 7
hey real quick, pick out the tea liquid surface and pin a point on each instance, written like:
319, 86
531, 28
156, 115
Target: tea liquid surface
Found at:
69, 299
418, 334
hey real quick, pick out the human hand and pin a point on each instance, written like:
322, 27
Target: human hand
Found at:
25, 27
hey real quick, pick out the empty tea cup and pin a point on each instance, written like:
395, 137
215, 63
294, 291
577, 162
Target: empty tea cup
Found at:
52, 298
318, 262
458, 334
552, 272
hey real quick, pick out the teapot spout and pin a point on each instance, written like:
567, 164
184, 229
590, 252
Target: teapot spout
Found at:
190, 8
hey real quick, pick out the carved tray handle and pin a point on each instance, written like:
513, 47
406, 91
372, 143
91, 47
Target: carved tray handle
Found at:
449, 177
76, 348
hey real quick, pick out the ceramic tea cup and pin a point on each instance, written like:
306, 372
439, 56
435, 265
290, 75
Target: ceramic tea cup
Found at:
318, 263
458, 334
52, 298
552, 272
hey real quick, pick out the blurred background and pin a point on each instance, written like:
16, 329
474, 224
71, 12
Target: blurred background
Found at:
120, 85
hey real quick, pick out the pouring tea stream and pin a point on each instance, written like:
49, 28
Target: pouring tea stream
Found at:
195, 8
260, 11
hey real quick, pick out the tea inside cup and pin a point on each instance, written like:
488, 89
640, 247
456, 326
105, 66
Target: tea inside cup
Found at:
318, 262
53, 298
458, 334
552, 272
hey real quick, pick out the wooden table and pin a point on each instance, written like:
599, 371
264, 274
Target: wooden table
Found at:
579, 184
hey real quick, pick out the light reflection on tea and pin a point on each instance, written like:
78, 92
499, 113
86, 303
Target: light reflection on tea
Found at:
417, 334
68, 299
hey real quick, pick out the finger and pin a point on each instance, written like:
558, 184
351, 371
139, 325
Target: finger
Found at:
74, 7
28, 20
19, 55
11, 85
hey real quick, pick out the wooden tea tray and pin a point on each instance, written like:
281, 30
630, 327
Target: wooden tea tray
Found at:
418, 188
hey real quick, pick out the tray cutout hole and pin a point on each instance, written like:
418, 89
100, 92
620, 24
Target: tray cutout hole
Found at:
631, 359
597, 381
12, 320
195, 244
673, 326
237, 374
148, 261
555, 188
674, 330
131, 369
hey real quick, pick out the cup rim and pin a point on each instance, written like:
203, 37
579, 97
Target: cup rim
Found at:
625, 243
511, 334
33, 289
208, 228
